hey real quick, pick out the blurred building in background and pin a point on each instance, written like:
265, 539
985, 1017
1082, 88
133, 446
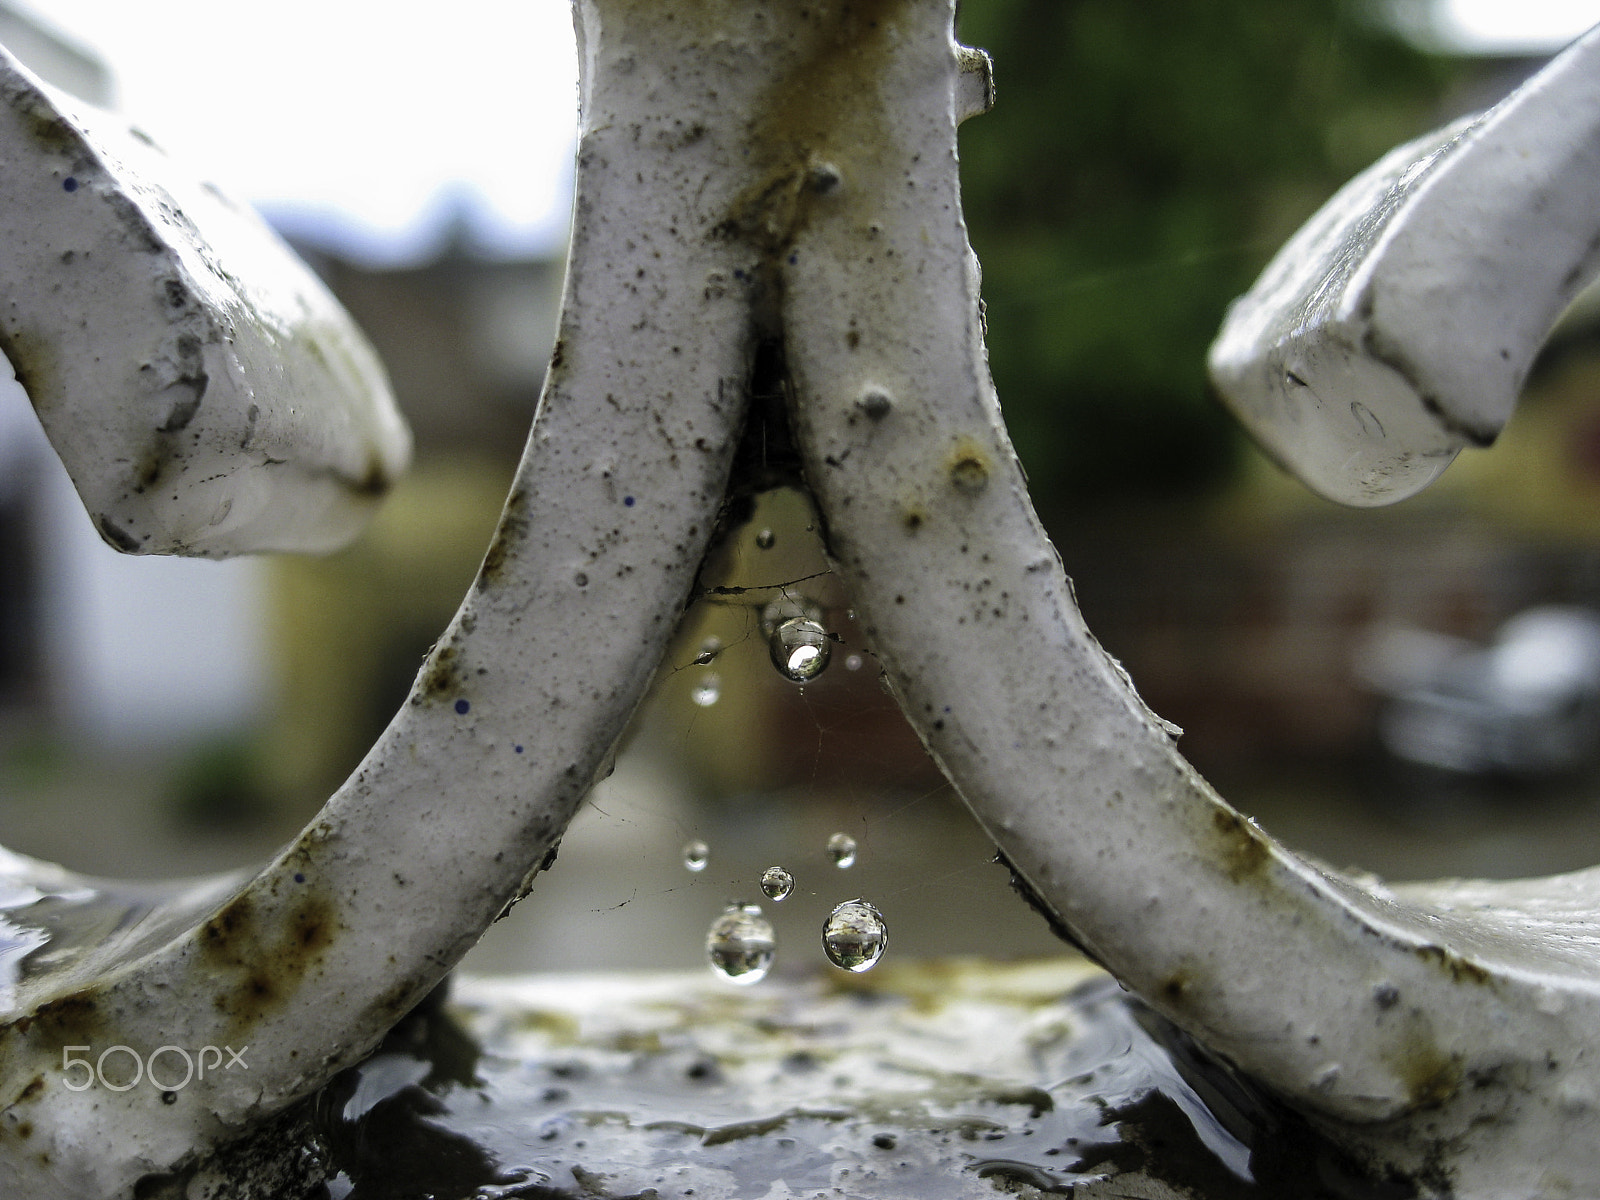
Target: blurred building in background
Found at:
103, 650
466, 338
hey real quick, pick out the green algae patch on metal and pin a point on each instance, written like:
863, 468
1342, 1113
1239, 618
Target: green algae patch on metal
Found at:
1242, 847
818, 121
261, 957
510, 532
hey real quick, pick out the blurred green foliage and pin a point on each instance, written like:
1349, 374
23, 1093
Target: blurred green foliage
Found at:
218, 783
1142, 163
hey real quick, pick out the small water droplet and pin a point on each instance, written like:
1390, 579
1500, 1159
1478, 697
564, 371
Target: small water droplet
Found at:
854, 935
766, 539
740, 944
796, 638
852, 662
707, 692
842, 849
777, 883
801, 649
695, 855
709, 649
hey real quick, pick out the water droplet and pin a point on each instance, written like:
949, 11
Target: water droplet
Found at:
1366, 419
695, 855
766, 539
854, 936
801, 649
842, 849
798, 641
707, 691
853, 663
777, 883
709, 649
740, 944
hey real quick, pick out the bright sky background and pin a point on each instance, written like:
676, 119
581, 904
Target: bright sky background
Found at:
373, 122
384, 115
1526, 26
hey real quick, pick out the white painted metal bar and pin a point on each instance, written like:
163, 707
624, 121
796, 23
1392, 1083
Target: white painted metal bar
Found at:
1400, 323
751, 172
1411, 1032
310, 962
206, 393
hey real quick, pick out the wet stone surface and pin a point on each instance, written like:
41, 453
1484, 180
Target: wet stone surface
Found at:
924, 1081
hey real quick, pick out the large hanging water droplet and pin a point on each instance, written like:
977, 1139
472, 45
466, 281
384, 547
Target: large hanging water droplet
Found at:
800, 649
707, 692
796, 637
776, 883
854, 936
740, 944
766, 539
709, 649
695, 855
842, 849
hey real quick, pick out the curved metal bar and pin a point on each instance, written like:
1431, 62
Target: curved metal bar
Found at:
205, 392
470, 788
1425, 1039
1400, 323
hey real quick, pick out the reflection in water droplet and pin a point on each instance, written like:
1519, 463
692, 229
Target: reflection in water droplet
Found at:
709, 649
852, 662
695, 855
776, 883
1366, 420
740, 944
842, 849
854, 936
707, 691
766, 539
800, 649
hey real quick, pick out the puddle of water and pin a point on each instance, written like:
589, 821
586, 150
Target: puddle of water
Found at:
926, 1081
